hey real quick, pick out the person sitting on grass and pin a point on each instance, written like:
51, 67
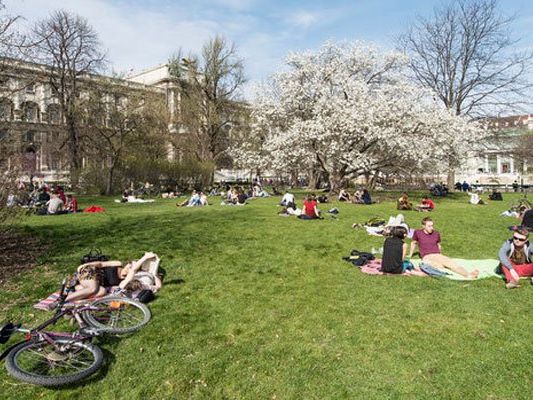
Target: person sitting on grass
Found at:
428, 241
72, 204
395, 252
496, 195
91, 280
403, 202
426, 205
475, 199
365, 198
344, 195
516, 255
527, 218
288, 200
55, 205
357, 197
310, 210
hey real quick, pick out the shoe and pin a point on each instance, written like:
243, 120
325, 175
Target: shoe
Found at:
512, 285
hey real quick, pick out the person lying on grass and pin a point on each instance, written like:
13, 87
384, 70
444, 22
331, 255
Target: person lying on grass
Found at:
428, 241
91, 279
516, 255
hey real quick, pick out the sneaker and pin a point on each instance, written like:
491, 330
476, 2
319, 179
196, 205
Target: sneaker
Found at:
512, 285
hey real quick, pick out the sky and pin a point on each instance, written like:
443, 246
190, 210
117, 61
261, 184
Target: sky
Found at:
140, 34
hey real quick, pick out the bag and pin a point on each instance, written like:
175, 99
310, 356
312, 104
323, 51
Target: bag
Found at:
94, 255
110, 276
145, 296
362, 259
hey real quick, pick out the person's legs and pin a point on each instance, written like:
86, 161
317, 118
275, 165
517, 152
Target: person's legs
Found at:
521, 270
442, 261
85, 289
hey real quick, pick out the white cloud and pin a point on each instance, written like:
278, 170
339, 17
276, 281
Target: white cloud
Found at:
302, 19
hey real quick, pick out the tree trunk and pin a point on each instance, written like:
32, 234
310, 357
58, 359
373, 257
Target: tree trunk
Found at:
335, 182
109, 184
74, 153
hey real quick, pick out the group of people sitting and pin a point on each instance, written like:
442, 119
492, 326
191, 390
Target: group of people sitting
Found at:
58, 203
197, 199
515, 254
360, 196
425, 205
396, 256
44, 200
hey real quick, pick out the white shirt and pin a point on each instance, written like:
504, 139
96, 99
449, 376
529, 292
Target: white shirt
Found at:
287, 198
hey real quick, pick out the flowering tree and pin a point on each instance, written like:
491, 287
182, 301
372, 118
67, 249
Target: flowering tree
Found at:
348, 110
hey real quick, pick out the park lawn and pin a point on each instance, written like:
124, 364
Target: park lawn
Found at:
259, 306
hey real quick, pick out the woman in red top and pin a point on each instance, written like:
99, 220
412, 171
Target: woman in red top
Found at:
310, 210
426, 205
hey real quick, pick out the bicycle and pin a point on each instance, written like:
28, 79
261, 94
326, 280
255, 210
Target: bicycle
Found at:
51, 359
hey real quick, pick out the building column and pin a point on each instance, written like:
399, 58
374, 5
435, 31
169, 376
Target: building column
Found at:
498, 164
511, 165
486, 167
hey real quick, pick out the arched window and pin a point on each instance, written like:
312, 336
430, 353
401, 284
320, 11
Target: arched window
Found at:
30, 112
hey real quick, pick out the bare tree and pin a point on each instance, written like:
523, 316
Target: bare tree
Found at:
11, 42
70, 47
119, 121
465, 53
210, 86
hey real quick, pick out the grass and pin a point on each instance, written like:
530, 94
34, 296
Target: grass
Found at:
257, 306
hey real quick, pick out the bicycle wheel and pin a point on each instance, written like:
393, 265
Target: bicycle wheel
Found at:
117, 315
53, 364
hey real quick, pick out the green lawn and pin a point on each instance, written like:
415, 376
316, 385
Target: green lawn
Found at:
258, 306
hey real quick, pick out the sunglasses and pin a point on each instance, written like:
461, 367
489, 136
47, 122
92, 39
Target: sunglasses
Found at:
519, 239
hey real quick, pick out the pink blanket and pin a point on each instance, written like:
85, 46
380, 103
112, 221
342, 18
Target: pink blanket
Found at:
374, 268
44, 304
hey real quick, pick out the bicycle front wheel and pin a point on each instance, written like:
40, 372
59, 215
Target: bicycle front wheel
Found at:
53, 364
117, 315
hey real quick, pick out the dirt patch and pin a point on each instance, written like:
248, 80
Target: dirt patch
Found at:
18, 253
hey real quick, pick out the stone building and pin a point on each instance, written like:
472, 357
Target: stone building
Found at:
503, 158
30, 116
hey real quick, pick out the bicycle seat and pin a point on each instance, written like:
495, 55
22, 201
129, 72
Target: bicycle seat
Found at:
7, 330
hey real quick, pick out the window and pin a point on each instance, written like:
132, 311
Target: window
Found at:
3, 134
54, 116
505, 168
493, 164
28, 136
30, 112
6, 111
30, 88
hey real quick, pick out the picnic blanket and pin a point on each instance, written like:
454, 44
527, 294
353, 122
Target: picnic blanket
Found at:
44, 304
374, 268
486, 268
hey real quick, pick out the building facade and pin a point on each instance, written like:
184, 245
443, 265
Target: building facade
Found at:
32, 122
505, 157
